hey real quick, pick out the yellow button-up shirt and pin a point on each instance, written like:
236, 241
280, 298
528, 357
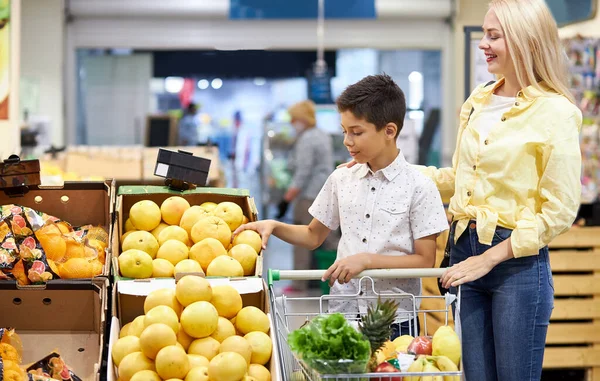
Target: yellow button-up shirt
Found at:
525, 176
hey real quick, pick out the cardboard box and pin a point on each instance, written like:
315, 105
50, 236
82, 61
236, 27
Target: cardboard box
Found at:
129, 195
128, 303
79, 203
69, 319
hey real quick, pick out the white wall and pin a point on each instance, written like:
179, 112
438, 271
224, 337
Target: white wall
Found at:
42, 36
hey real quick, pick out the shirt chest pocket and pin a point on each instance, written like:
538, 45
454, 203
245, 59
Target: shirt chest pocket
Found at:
394, 216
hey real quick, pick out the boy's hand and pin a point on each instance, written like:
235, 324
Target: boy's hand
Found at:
349, 164
345, 269
264, 228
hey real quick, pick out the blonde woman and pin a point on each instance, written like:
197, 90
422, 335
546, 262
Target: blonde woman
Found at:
515, 185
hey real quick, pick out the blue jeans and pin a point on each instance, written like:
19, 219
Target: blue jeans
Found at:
505, 314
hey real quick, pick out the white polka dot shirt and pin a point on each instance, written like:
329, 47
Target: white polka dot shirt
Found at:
379, 213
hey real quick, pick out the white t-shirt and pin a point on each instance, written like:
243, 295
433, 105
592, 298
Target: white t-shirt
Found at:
490, 115
380, 213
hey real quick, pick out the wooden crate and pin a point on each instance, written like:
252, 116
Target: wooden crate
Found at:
573, 339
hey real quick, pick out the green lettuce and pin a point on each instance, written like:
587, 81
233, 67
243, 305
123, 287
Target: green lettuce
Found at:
329, 345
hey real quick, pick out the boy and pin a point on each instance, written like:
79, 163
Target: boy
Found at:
389, 213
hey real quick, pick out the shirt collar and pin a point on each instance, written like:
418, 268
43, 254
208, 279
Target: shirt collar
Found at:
390, 172
529, 93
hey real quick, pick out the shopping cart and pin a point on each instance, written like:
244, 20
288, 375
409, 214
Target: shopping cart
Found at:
290, 313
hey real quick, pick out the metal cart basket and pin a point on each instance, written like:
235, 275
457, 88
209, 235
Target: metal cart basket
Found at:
290, 313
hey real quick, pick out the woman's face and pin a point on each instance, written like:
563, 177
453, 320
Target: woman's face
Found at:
495, 47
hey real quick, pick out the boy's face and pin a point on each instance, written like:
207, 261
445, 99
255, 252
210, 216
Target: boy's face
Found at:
361, 138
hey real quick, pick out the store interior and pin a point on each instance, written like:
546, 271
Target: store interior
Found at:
94, 88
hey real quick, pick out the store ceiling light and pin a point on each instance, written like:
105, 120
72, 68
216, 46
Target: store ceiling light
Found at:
173, 84
415, 76
260, 81
203, 84
216, 83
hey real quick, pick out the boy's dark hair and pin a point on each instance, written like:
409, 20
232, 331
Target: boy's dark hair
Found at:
376, 99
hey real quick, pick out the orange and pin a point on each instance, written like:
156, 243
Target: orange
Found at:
74, 249
18, 272
8, 352
53, 266
13, 375
49, 229
64, 227
54, 246
76, 268
100, 247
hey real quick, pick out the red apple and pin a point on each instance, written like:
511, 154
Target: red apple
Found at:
421, 345
386, 367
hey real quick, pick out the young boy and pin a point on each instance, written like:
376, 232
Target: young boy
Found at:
389, 213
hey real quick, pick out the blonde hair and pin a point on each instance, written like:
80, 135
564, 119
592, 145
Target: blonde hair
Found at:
533, 43
304, 111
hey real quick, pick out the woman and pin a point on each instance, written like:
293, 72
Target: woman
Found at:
311, 163
515, 185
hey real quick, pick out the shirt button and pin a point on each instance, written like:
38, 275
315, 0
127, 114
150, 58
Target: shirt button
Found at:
516, 103
469, 193
474, 167
520, 94
486, 142
368, 216
373, 189
364, 240
503, 118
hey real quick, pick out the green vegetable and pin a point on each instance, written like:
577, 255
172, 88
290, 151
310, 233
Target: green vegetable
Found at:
329, 345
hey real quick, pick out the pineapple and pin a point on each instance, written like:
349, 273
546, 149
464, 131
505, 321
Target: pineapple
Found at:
375, 325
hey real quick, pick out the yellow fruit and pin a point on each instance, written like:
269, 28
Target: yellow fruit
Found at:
224, 330
78, 268
172, 362
173, 232
237, 344
162, 314
8, 352
135, 264
162, 297
146, 375
211, 227
183, 338
133, 363
141, 240
198, 374
401, 343
249, 237
129, 225
199, 319
156, 231
124, 330
262, 347
251, 319
206, 250
231, 213
137, 326
174, 251
125, 346
259, 372
172, 209
246, 256
227, 366
445, 342
155, 337
54, 246
245, 220
207, 347
161, 268
198, 361
145, 215
210, 206
191, 216
192, 289
126, 234
225, 266
188, 266
227, 301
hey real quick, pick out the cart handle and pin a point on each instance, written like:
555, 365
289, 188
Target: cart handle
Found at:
276, 275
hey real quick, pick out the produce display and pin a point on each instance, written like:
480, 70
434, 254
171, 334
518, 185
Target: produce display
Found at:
177, 237
36, 247
50, 368
195, 332
329, 344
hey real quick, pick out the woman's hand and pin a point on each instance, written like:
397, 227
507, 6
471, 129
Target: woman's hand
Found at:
349, 164
264, 228
343, 270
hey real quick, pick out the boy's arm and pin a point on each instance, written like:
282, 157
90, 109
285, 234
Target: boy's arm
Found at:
345, 269
309, 236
